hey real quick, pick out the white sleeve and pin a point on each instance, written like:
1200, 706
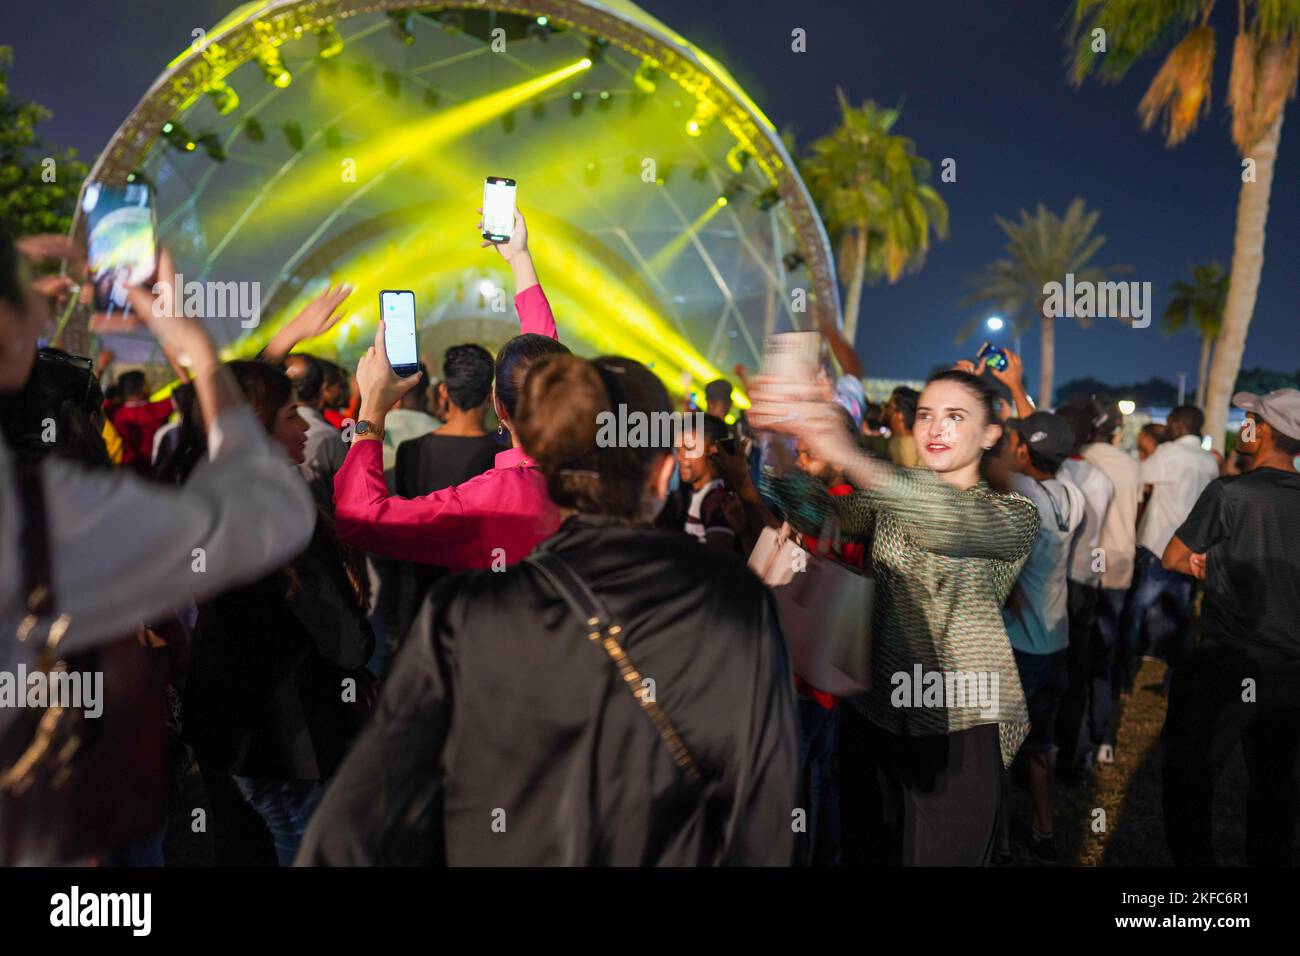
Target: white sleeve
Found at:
1152, 471
124, 550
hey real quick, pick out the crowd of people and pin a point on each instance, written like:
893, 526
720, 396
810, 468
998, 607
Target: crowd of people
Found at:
438, 620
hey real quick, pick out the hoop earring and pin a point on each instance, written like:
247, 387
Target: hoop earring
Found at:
501, 429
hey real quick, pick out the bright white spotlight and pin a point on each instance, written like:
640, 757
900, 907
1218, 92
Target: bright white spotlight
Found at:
487, 288
995, 323
1127, 406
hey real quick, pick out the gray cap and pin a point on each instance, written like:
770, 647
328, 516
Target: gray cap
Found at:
1280, 408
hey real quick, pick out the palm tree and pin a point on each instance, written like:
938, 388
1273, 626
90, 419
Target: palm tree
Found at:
1041, 249
1199, 305
873, 194
1265, 61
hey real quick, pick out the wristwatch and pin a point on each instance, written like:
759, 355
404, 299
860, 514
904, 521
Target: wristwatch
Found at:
368, 429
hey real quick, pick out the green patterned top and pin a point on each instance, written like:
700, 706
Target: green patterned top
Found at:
944, 561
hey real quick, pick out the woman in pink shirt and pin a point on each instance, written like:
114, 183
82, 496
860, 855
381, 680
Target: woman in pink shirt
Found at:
489, 521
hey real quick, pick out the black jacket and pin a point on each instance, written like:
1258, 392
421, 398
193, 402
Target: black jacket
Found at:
503, 736
266, 695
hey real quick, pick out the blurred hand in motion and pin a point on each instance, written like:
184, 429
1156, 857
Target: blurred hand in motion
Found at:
379, 385
518, 243
803, 410
320, 314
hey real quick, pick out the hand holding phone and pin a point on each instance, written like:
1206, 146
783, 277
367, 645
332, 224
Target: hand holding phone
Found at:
995, 359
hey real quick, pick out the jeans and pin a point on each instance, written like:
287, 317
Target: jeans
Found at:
1154, 586
1207, 717
1105, 633
817, 733
285, 806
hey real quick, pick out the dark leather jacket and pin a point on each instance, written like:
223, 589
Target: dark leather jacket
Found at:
504, 736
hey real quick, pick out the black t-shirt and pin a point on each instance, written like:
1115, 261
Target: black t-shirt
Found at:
1249, 526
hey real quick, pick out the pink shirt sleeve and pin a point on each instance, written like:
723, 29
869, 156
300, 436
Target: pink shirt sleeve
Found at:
430, 529
535, 314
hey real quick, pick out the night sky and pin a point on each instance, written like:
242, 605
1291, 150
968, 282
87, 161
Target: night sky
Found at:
981, 82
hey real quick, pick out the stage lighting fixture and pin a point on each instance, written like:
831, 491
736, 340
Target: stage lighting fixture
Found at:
539, 109
253, 130
432, 97
178, 137
605, 100
596, 49
700, 173
723, 200
212, 146
224, 99
733, 188
540, 28
767, 199
702, 118
647, 75
793, 261
392, 84
576, 102
508, 121
399, 21
293, 134
737, 159
273, 68
329, 42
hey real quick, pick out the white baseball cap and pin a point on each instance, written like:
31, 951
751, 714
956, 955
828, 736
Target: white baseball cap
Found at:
1280, 408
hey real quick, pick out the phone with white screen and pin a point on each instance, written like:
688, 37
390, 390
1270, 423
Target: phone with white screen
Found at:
121, 243
397, 307
498, 209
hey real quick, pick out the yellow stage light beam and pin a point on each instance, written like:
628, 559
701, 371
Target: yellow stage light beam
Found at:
303, 193
676, 245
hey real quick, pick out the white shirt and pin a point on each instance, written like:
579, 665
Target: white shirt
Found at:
122, 549
1038, 619
1118, 538
1177, 472
1097, 492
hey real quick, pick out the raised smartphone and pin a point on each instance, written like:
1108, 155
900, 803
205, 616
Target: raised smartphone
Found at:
498, 209
397, 308
121, 242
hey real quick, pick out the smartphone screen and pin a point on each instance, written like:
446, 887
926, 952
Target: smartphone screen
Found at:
996, 358
120, 241
398, 311
498, 209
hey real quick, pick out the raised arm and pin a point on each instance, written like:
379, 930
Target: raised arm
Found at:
534, 310
316, 318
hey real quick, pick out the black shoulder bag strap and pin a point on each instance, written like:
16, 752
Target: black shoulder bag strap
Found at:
600, 630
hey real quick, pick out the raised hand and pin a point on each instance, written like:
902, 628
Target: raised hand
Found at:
316, 318
518, 243
379, 385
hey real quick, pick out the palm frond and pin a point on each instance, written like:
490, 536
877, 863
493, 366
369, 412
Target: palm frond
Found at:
1180, 92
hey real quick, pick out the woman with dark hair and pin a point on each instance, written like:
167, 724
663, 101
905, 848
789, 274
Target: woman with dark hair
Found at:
490, 521
276, 688
946, 545
516, 727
